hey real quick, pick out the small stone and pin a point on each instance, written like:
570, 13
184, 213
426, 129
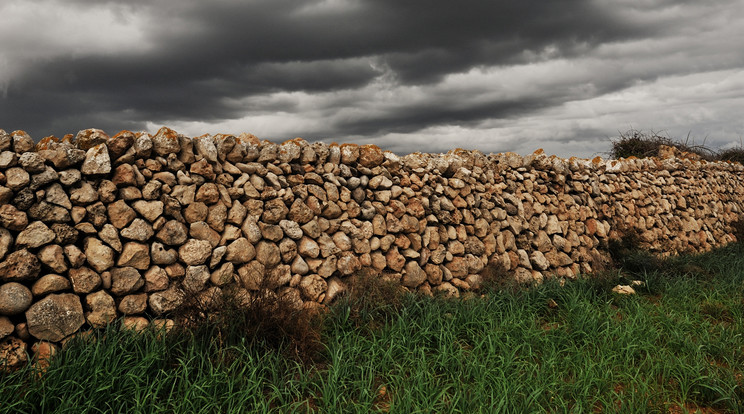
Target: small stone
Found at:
166, 142
99, 256
196, 278
32, 162
74, 255
133, 304
102, 309
21, 265
53, 257
125, 280
84, 280
150, 210
97, 161
624, 290
195, 252
12, 218
312, 286
89, 138
223, 275
50, 284
240, 251
84, 194
136, 255
138, 230
166, 301
16, 178
14, 298
134, 323
162, 256
13, 354
35, 235
55, 317
173, 233
156, 279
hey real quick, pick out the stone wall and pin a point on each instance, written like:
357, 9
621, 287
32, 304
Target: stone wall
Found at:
93, 228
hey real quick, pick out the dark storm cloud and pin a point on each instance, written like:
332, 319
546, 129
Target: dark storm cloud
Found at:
367, 68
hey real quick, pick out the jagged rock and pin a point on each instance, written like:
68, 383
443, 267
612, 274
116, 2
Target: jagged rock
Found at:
223, 275
97, 161
84, 194
6, 328
150, 210
162, 256
14, 298
136, 255
120, 143
74, 255
6, 239
21, 265
102, 309
13, 354
99, 256
414, 275
53, 257
138, 230
312, 286
55, 317
268, 254
84, 280
240, 251
50, 284
156, 279
32, 162
125, 280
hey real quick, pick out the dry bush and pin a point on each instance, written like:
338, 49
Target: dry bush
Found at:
496, 277
638, 144
262, 319
372, 299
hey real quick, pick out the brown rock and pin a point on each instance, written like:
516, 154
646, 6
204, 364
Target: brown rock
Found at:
395, 260
74, 255
110, 236
12, 218
166, 142
370, 156
13, 354
120, 214
166, 301
251, 275
196, 212
268, 254
134, 323
125, 280
96, 161
208, 193
156, 279
53, 257
312, 286
50, 284
55, 317
136, 255
162, 256
173, 233
133, 304
14, 298
102, 309
89, 138
99, 256
414, 275
35, 235
195, 252
202, 231
240, 251
150, 210
196, 278
120, 143
84, 280
138, 230
300, 212
274, 211
348, 263
6, 239
6, 328
223, 275
458, 266
19, 266
16, 178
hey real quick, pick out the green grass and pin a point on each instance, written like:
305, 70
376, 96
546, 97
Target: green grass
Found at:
676, 346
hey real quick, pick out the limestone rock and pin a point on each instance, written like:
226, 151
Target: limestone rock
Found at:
12, 218
195, 252
268, 254
240, 251
156, 279
13, 354
133, 304
97, 161
125, 280
99, 256
102, 309
138, 230
162, 256
14, 298
50, 284
312, 286
35, 235
16, 178
196, 278
84, 280
21, 265
89, 138
166, 142
6, 328
166, 301
414, 275
150, 210
136, 255
55, 317
624, 290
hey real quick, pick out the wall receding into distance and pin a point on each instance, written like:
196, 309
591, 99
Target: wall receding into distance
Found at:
94, 228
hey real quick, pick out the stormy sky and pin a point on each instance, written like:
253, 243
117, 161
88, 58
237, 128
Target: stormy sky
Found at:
407, 75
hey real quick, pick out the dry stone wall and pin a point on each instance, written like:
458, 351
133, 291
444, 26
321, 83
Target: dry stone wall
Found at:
94, 227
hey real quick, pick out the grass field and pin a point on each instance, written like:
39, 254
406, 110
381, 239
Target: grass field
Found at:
677, 346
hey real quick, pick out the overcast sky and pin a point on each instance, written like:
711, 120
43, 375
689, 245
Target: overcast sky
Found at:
407, 75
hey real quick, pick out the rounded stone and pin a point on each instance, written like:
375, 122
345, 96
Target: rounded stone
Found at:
14, 298
55, 317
